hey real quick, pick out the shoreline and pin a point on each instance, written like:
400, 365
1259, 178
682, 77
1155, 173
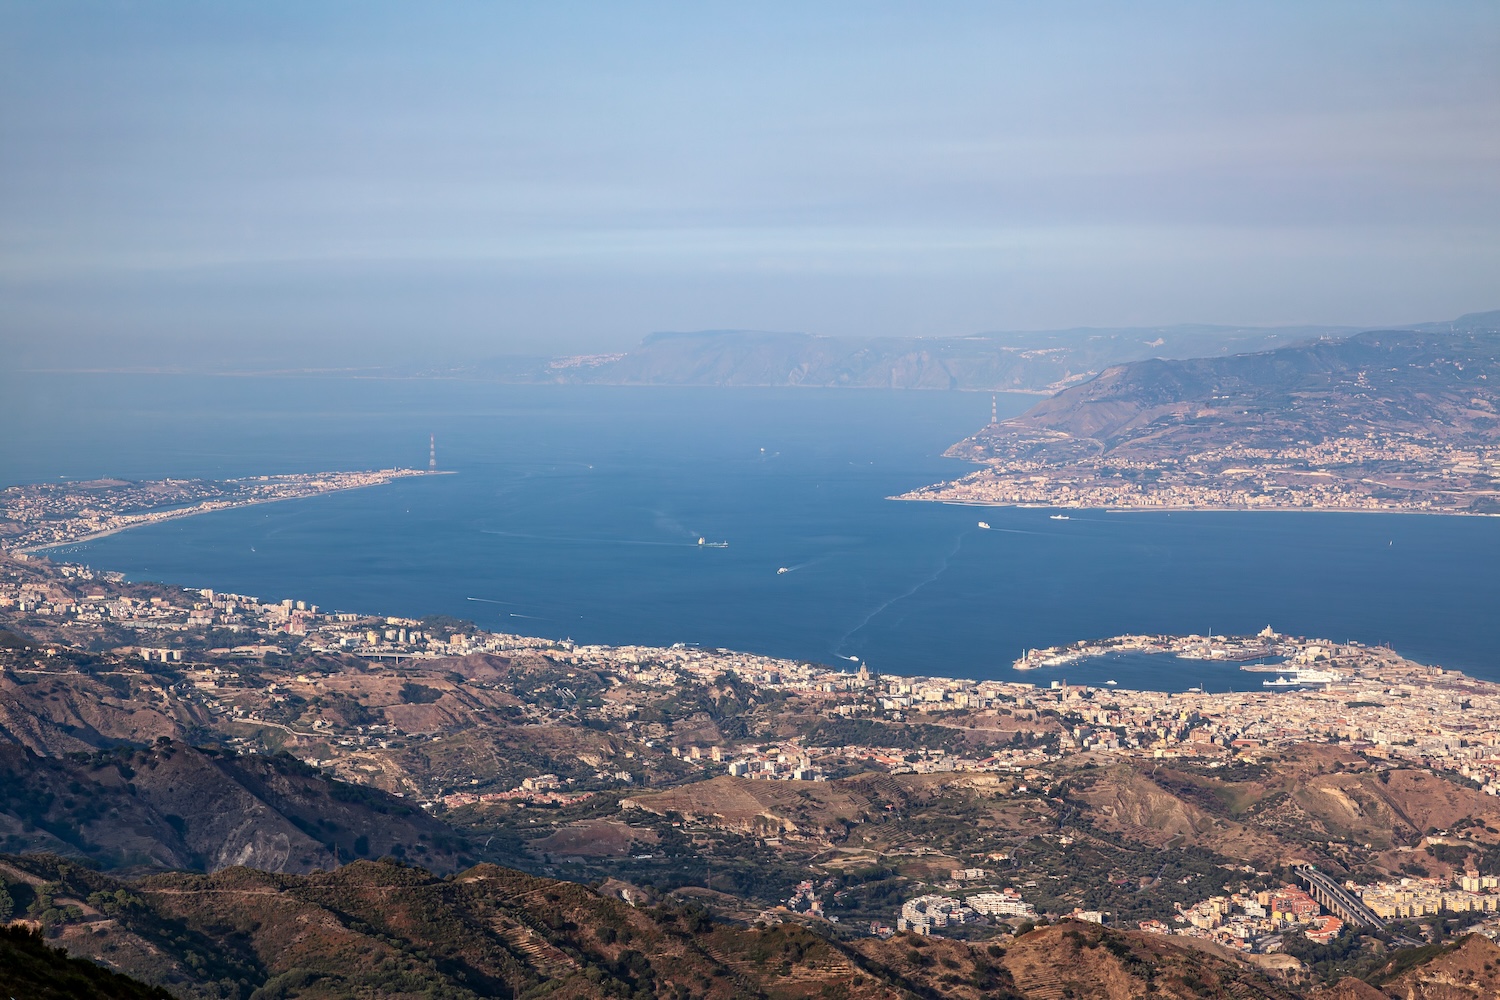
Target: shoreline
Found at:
814, 670
1192, 509
150, 518
53, 547
1018, 673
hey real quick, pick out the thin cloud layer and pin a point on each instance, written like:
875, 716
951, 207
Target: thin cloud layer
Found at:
484, 178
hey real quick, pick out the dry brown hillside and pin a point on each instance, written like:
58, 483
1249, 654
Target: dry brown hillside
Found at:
1468, 970
386, 930
1288, 808
1348, 988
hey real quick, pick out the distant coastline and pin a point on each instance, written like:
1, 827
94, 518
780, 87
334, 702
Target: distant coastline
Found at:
1188, 509
26, 505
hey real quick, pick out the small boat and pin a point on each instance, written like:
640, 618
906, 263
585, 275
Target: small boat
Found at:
782, 570
1058, 517
1111, 683
985, 525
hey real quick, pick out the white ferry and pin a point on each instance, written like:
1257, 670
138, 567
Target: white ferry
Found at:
1301, 679
1058, 517
985, 525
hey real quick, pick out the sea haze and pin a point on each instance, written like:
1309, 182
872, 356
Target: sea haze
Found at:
576, 512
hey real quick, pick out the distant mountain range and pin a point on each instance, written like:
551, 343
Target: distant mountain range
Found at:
1039, 361
1028, 361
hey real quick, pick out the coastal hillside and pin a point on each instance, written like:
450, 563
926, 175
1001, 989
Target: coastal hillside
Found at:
1444, 386
1384, 420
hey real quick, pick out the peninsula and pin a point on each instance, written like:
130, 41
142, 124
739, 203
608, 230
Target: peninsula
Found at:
46, 515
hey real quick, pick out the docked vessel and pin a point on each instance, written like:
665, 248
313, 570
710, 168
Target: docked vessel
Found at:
1301, 679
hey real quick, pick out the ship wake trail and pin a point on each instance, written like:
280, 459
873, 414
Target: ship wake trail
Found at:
578, 540
804, 565
926, 581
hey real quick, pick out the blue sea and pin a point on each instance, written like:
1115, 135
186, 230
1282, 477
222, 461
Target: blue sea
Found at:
576, 512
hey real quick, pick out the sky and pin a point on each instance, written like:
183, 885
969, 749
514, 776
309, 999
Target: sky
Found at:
364, 182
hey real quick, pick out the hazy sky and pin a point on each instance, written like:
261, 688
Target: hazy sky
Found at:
300, 179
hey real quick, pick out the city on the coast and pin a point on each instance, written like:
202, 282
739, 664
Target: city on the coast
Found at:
1385, 474
289, 674
46, 515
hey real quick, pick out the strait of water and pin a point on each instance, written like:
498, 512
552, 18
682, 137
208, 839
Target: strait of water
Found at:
576, 511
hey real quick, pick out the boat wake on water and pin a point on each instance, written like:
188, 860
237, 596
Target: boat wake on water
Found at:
783, 570
930, 578
575, 540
